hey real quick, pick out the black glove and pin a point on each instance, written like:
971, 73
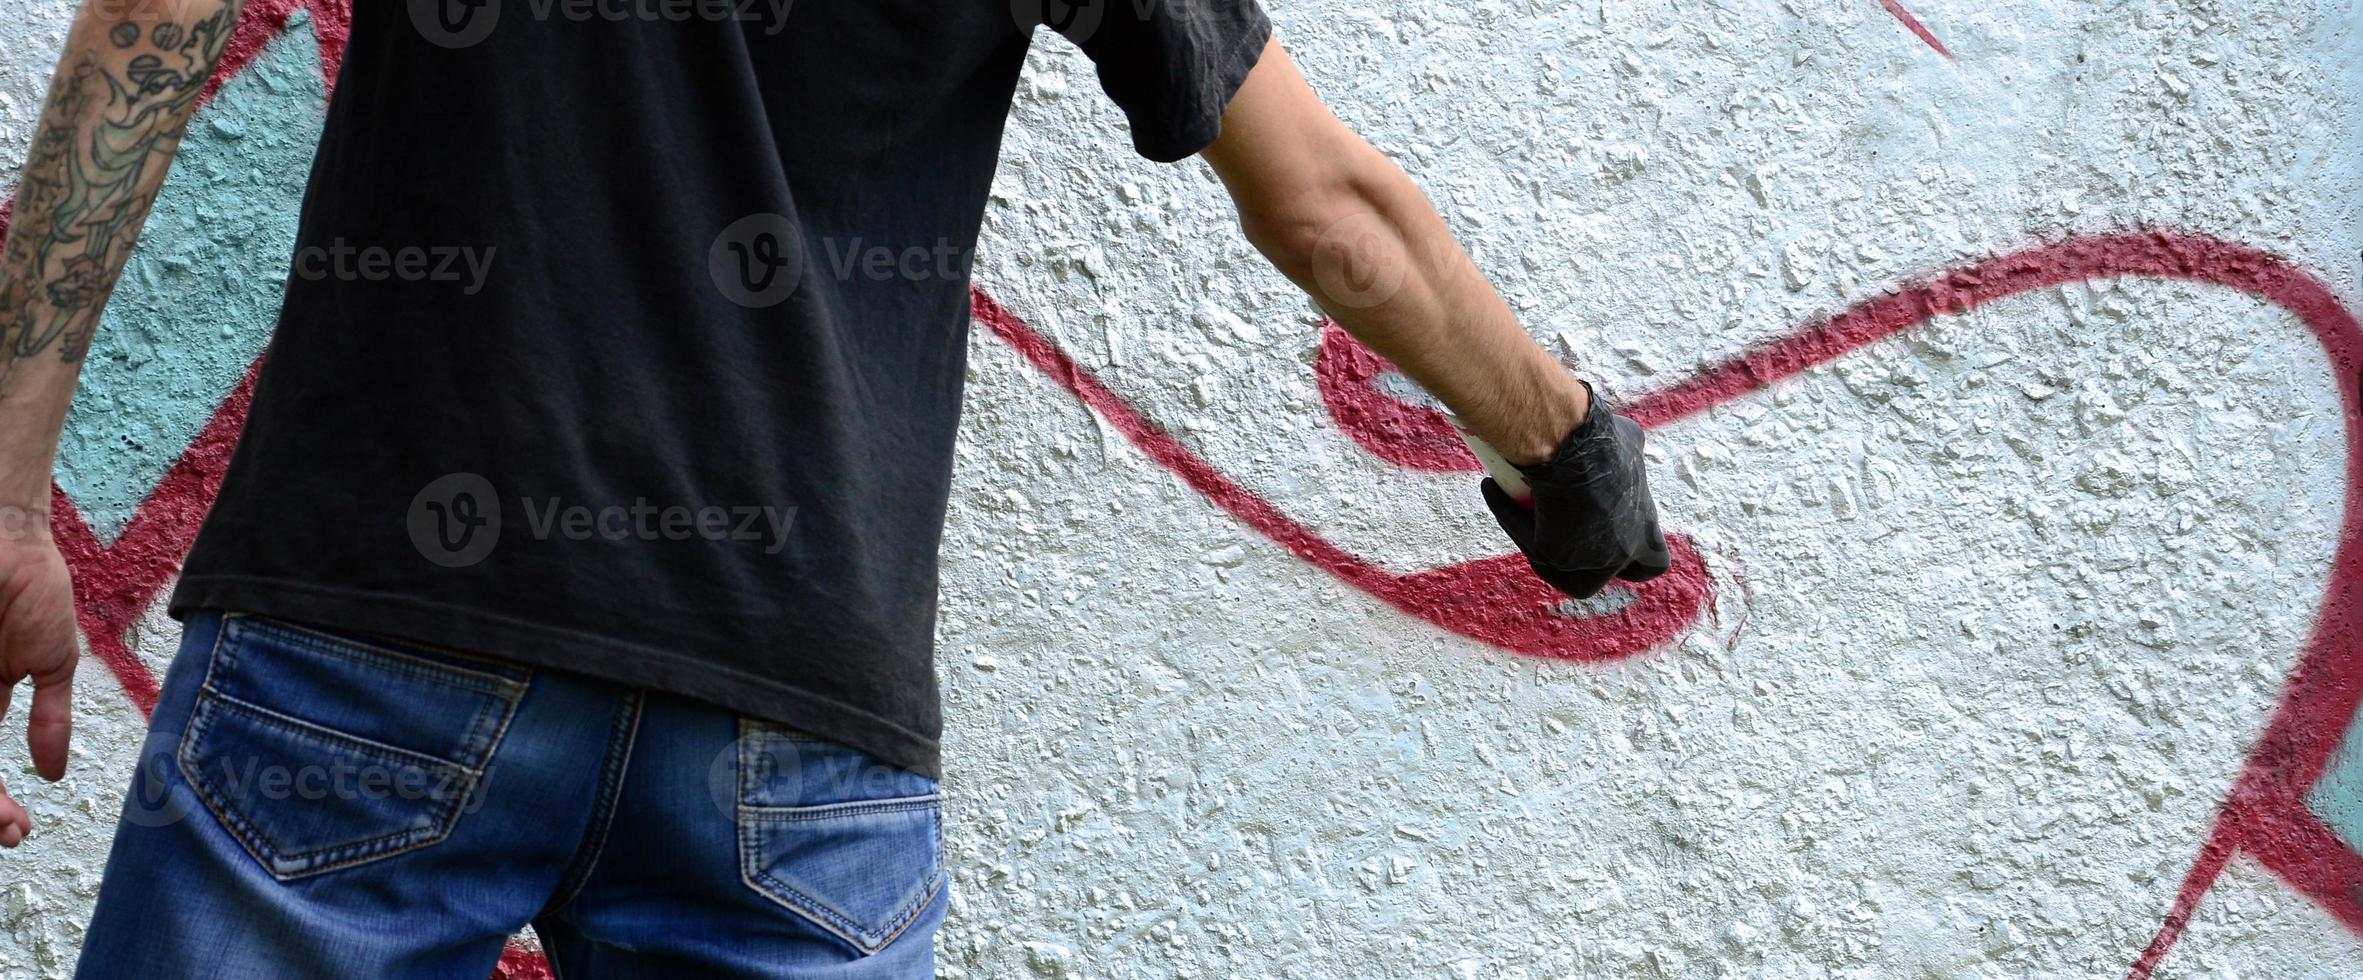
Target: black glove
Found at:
1591, 519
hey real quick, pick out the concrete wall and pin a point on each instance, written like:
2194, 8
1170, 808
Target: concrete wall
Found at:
2021, 616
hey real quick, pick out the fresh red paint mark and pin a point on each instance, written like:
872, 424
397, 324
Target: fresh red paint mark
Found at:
2146, 255
2265, 814
1413, 436
2306, 853
265, 20
86, 565
521, 963
1913, 24
1496, 600
2221, 844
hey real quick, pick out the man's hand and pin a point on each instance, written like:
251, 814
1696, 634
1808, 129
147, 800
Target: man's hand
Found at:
1591, 518
36, 642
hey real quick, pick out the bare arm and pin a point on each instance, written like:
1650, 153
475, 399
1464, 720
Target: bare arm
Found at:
131, 74
1347, 225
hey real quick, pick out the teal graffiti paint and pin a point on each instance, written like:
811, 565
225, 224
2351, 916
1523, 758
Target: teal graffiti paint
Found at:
200, 296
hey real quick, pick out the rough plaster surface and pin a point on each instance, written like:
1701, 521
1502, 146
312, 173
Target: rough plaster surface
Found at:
2000, 607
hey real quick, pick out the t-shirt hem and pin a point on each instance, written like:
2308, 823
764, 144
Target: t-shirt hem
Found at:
477, 631
1237, 63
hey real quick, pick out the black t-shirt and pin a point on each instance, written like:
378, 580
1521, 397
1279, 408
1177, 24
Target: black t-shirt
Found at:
628, 338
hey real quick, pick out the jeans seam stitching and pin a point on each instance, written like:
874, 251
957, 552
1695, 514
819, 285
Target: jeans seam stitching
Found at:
797, 901
368, 747
912, 918
792, 814
611, 783
820, 913
352, 649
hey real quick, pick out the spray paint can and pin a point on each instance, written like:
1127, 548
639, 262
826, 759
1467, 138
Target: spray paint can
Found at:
1512, 482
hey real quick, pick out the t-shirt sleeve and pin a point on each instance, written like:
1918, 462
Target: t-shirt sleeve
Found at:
1171, 65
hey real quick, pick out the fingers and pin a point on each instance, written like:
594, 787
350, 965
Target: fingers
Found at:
50, 731
1642, 571
52, 726
1600, 514
15, 823
1653, 561
1578, 584
1516, 519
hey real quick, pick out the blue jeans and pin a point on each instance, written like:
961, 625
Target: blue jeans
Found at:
309, 804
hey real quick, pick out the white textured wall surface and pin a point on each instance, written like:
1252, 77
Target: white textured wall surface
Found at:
2000, 608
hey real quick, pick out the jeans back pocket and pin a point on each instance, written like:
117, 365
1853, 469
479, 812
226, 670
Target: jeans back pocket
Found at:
851, 844
320, 752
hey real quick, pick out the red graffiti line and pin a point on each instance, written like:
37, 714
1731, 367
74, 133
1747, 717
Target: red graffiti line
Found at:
1411, 436
1496, 600
2265, 814
265, 20
1911, 23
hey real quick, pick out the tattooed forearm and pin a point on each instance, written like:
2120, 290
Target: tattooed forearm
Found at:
115, 116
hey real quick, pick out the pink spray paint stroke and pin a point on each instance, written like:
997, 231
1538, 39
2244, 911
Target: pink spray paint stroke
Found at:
2264, 816
1913, 24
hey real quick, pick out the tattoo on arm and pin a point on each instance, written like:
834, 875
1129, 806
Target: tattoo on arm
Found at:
109, 131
